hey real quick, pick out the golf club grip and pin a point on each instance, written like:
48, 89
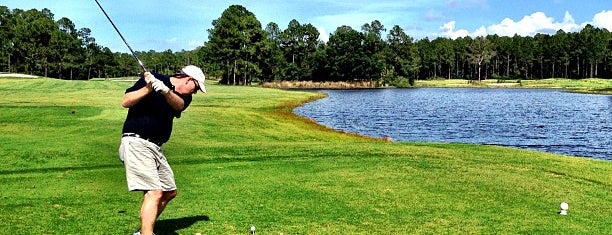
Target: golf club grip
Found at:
122, 38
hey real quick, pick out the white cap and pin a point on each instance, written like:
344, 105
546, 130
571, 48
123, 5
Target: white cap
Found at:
197, 74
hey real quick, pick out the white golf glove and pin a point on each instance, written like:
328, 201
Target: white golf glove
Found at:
160, 87
149, 78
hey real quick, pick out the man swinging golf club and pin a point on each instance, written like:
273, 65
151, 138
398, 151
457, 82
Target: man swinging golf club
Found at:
154, 101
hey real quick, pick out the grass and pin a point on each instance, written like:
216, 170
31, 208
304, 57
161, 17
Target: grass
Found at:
591, 85
241, 159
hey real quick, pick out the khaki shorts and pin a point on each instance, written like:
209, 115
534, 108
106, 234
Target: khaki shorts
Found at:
146, 167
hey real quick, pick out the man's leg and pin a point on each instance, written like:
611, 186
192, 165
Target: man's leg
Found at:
149, 211
165, 199
153, 204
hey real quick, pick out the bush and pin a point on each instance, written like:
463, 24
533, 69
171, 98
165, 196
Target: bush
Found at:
401, 82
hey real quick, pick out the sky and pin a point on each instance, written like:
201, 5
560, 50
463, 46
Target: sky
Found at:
182, 24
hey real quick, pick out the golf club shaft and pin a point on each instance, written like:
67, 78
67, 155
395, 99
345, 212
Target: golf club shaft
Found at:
128, 45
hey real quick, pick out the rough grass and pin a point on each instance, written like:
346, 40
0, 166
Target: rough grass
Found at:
241, 159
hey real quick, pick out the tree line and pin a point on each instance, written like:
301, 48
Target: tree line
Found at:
33, 42
239, 51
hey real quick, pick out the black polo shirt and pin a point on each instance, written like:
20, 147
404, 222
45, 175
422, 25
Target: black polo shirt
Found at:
152, 117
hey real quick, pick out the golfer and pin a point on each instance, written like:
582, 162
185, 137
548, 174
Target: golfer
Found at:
154, 101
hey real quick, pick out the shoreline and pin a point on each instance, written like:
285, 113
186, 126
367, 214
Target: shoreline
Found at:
588, 86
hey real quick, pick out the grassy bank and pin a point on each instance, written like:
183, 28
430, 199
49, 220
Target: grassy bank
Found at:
244, 160
592, 85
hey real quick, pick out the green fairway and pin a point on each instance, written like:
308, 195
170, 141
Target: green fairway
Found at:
250, 161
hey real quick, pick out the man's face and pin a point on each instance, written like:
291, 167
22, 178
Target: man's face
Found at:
188, 85
196, 86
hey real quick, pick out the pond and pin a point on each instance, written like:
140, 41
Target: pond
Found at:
540, 119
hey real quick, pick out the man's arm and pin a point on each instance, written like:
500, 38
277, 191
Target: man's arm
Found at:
133, 97
153, 84
175, 101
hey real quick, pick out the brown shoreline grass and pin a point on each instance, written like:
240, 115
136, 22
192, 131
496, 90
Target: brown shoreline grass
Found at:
320, 85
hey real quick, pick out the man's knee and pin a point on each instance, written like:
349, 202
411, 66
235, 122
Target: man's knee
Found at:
169, 195
155, 194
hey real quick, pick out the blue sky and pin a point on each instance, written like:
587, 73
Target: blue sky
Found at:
181, 25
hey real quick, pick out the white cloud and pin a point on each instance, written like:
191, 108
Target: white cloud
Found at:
448, 30
482, 31
569, 24
529, 25
323, 35
603, 20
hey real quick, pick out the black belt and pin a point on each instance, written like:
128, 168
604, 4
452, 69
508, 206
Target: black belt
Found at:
142, 137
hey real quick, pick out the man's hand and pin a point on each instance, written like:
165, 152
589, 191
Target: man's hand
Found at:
149, 78
159, 86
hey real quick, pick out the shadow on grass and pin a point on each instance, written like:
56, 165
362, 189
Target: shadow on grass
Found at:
171, 226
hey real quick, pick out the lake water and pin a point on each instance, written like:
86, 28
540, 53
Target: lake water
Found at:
540, 119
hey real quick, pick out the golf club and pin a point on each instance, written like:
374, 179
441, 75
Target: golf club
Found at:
128, 45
